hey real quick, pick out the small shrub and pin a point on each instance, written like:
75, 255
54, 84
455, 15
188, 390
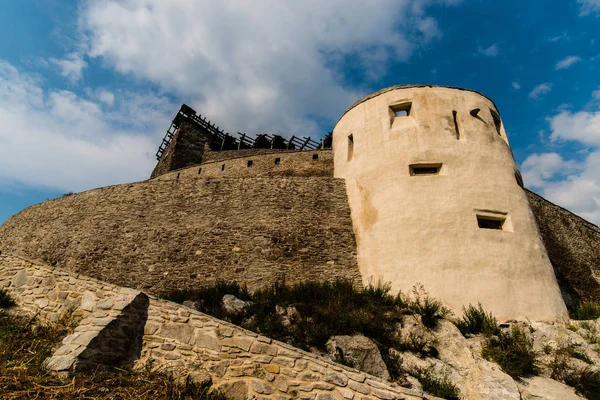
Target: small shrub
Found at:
5, 300
513, 351
438, 386
591, 333
586, 382
587, 310
582, 356
431, 310
209, 298
418, 344
475, 320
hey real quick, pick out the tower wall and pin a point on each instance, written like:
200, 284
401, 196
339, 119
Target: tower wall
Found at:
422, 224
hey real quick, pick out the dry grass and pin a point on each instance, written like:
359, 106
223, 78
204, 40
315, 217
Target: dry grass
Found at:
25, 344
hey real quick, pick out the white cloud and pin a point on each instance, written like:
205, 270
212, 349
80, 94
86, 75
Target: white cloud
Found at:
540, 89
71, 66
264, 65
516, 85
538, 168
105, 96
583, 127
573, 184
589, 6
60, 140
596, 94
567, 62
491, 51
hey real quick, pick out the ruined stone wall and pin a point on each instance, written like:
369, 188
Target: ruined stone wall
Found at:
573, 246
240, 164
186, 148
180, 340
158, 235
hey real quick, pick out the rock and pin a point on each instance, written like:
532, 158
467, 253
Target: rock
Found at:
359, 352
20, 278
288, 314
233, 305
235, 390
190, 304
538, 388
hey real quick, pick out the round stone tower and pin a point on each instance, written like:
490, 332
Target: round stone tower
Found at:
437, 199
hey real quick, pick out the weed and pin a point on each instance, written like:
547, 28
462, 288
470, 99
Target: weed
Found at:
431, 310
25, 344
513, 351
437, 386
5, 300
419, 344
588, 310
585, 381
581, 356
209, 298
475, 320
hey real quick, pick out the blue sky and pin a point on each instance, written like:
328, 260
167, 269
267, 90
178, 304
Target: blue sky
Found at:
88, 88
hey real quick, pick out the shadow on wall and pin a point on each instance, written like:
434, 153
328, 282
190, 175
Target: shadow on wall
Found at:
120, 342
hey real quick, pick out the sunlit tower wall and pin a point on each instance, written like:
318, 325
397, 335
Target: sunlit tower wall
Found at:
437, 199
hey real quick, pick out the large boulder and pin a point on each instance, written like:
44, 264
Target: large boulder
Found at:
540, 388
359, 352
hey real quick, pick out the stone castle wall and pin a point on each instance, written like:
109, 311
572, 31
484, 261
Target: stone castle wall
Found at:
573, 245
170, 337
164, 234
258, 163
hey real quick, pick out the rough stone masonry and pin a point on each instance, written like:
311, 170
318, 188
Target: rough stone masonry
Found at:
123, 326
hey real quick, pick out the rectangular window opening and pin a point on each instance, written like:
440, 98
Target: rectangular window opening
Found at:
350, 147
199, 171
486, 222
401, 110
277, 161
425, 169
250, 162
223, 167
315, 156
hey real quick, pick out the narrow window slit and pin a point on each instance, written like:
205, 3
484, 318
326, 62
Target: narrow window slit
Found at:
223, 167
497, 121
519, 179
350, 147
456, 125
199, 171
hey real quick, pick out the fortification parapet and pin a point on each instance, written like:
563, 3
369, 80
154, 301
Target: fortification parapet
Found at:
436, 198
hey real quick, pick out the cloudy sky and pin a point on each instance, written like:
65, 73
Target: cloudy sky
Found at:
87, 88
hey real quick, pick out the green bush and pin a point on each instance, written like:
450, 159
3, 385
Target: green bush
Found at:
431, 310
475, 320
417, 344
5, 300
513, 351
587, 310
438, 386
209, 298
586, 382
